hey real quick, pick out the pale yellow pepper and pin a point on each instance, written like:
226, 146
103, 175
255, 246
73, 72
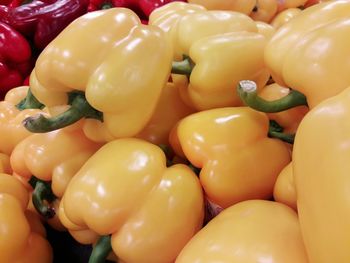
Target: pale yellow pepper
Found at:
250, 231
125, 190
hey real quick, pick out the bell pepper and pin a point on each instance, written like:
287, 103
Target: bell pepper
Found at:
250, 231
264, 10
320, 170
215, 66
241, 6
33, 157
13, 110
167, 18
170, 109
284, 190
285, 4
5, 2
238, 160
121, 86
143, 8
18, 242
284, 16
309, 52
265, 29
145, 211
17, 3
5, 166
15, 59
197, 24
42, 21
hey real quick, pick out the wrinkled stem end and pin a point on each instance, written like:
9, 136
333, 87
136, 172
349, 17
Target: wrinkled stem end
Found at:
29, 102
276, 131
79, 109
183, 67
247, 91
101, 250
42, 196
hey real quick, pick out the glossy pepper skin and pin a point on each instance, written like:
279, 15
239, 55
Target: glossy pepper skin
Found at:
241, 6
170, 109
109, 82
52, 157
230, 145
11, 118
321, 179
284, 16
191, 22
250, 231
19, 242
284, 190
150, 210
42, 21
220, 63
143, 8
308, 54
15, 58
168, 17
55, 156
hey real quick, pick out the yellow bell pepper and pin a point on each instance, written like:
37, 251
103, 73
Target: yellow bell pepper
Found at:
13, 110
242, 6
309, 52
125, 190
284, 189
215, 66
283, 17
112, 71
18, 242
170, 109
265, 29
5, 166
186, 23
321, 175
250, 231
51, 157
167, 18
264, 10
231, 146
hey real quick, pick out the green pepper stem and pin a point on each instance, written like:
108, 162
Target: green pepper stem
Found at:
101, 250
276, 131
79, 109
183, 67
106, 6
247, 91
42, 192
29, 102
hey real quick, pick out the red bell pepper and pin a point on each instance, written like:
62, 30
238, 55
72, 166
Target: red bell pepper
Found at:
42, 20
15, 58
143, 8
5, 2
16, 3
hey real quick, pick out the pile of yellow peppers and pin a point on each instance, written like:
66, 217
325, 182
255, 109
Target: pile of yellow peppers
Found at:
217, 132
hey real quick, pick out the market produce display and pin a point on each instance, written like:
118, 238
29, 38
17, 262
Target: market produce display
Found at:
160, 131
